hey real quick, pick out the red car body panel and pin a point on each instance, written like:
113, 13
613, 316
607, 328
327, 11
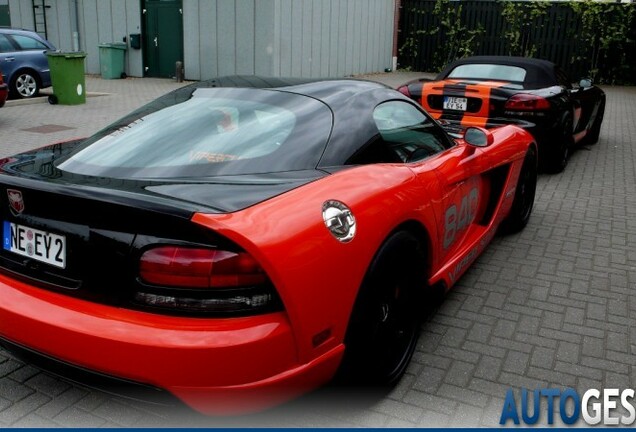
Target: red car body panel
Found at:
457, 199
4, 91
210, 364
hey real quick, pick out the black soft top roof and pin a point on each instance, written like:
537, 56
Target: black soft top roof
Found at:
334, 92
539, 73
328, 90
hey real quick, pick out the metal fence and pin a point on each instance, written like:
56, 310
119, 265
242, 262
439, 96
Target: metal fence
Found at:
435, 32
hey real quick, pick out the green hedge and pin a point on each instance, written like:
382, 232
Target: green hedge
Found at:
586, 38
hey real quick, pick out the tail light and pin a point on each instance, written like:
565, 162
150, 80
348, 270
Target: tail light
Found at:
204, 280
527, 102
199, 268
405, 91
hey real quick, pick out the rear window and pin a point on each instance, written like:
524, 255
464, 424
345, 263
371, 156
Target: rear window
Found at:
489, 72
217, 131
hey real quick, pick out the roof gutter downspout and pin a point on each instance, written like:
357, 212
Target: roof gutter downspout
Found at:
75, 29
396, 29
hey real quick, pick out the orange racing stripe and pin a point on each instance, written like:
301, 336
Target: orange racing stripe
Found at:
431, 88
481, 90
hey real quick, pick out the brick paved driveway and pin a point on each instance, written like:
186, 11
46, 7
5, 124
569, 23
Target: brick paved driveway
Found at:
552, 306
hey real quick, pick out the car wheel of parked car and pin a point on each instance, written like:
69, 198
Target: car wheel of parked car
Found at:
385, 323
557, 158
523, 202
25, 84
595, 131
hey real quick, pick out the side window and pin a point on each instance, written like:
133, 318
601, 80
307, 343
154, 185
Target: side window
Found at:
5, 44
27, 43
408, 133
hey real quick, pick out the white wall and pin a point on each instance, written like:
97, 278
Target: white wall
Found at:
308, 38
106, 21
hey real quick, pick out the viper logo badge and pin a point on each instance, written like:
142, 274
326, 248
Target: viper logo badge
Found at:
16, 202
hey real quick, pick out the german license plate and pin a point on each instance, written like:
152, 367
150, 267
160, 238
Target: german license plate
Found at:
35, 244
455, 103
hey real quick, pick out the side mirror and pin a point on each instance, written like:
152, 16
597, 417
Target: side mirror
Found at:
478, 137
585, 83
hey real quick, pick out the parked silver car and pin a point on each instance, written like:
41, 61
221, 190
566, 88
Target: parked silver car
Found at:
23, 61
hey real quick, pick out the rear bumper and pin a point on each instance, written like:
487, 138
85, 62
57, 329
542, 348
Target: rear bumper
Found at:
543, 129
217, 366
108, 384
467, 121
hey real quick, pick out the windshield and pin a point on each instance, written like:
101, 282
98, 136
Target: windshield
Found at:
489, 72
217, 131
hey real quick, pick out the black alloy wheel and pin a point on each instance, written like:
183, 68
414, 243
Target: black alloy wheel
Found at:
558, 156
595, 131
525, 192
385, 322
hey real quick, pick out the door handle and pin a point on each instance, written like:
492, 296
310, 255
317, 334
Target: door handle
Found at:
9, 59
156, 41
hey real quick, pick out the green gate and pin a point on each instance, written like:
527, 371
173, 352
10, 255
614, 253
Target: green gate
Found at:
5, 18
163, 37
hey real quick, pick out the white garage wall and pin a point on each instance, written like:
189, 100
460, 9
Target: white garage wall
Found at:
21, 12
106, 21
308, 38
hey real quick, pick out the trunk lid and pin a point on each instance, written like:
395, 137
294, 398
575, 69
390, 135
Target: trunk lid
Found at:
103, 224
473, 103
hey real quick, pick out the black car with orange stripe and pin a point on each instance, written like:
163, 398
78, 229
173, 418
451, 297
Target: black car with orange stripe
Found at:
535, 94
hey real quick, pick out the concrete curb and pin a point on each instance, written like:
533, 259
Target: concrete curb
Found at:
44, 98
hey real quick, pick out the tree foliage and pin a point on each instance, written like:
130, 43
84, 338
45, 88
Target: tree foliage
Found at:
521, 18
605, 39
459, 40
599, 35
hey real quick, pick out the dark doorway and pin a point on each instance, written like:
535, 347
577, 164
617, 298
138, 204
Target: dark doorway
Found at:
5, 18
163, 37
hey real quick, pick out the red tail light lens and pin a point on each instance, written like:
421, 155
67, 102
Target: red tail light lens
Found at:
175, 266
405, 90
527, 102
178, 279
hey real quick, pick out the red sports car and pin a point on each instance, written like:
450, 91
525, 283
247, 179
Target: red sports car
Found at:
241, 241
3, 91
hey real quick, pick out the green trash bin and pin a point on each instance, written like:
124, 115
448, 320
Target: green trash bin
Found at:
111, 60
67, 77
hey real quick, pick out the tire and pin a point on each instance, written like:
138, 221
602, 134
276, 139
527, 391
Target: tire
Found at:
25, 84
595, 130
53, 99
385, 322
525, 192
558, 155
